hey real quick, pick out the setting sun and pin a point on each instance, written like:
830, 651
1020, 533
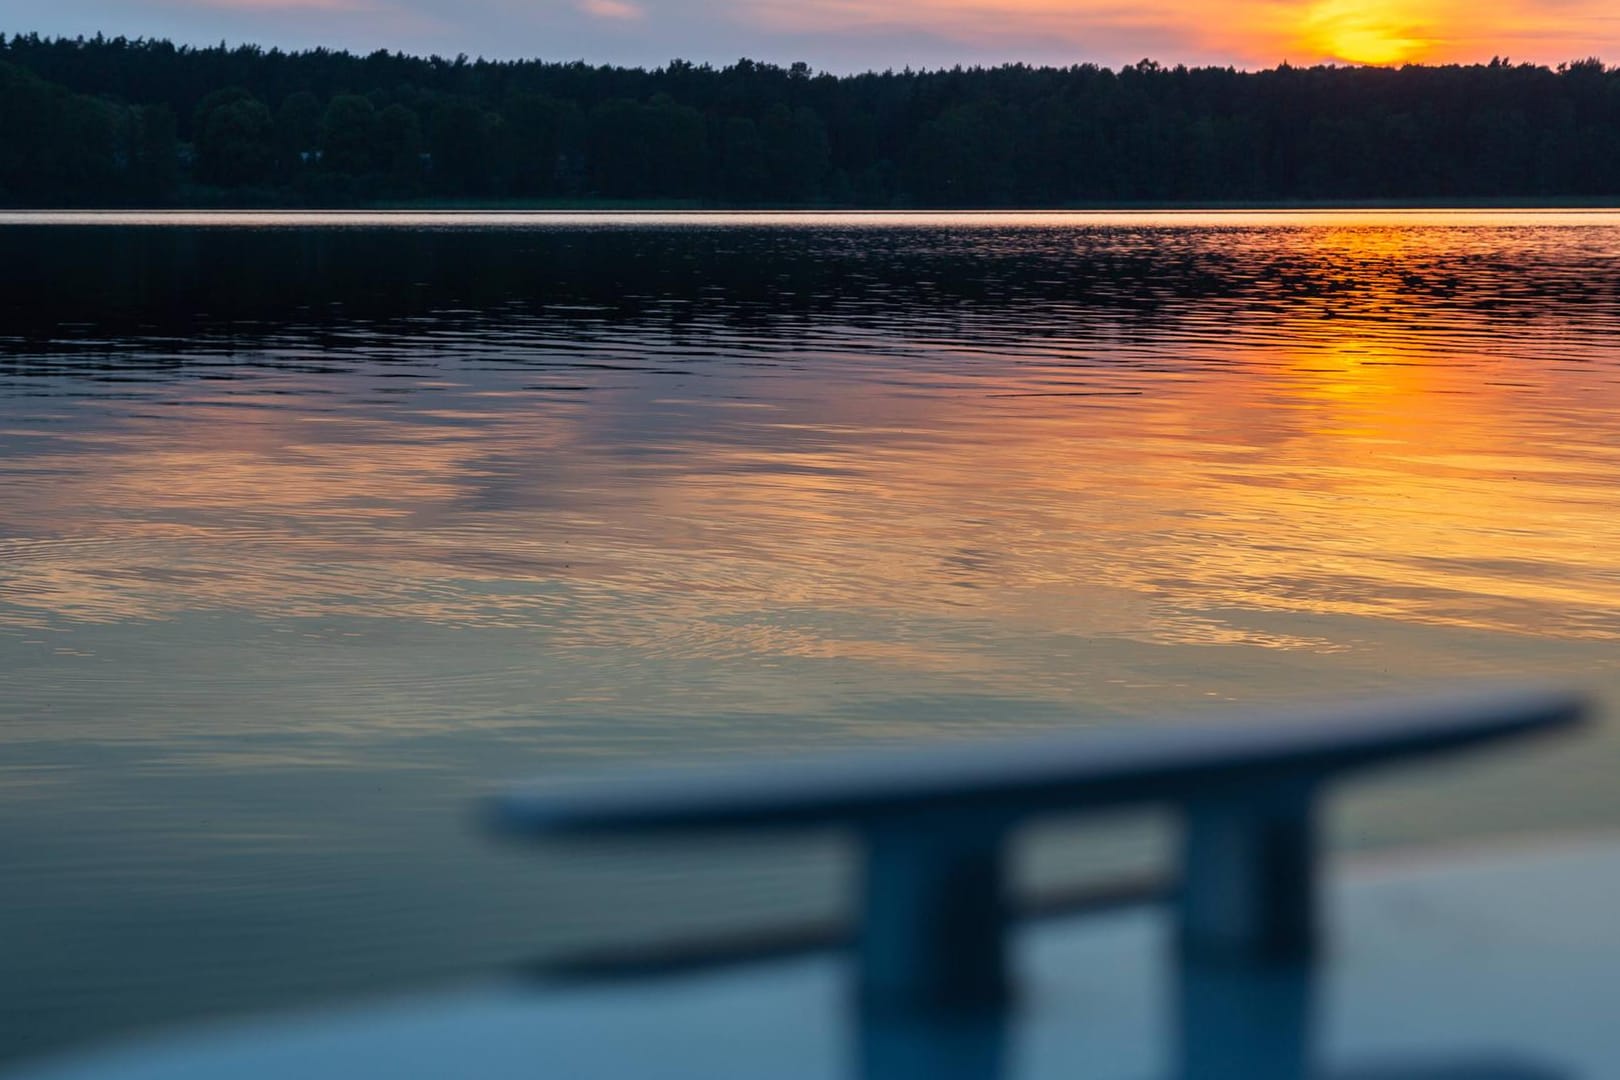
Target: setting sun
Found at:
1365, 31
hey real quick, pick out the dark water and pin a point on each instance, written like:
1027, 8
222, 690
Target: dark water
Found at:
312, 529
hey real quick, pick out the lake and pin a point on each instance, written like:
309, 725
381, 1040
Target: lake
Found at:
316, 527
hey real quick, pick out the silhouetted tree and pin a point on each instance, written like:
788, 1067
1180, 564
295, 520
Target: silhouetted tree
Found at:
459, 142
82, 120
234, 138
351, 136
298, 131
399, 144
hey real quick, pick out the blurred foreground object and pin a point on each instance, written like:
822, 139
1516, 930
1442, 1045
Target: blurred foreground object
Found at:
1490, 968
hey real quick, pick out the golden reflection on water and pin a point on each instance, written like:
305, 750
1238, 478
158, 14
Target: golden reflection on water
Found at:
1332, 465
276, 602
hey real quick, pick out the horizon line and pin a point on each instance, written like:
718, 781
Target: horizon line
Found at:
1147, 63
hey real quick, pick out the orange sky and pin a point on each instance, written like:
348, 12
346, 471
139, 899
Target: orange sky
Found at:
847, 35
1245, 32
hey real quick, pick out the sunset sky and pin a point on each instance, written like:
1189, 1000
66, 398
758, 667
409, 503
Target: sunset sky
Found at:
846, 35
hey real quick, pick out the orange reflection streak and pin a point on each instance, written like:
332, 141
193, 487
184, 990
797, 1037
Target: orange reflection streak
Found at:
1354, 456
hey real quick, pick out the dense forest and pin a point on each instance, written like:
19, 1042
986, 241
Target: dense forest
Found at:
113, 121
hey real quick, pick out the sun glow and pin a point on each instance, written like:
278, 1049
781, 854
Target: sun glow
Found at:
1366, 31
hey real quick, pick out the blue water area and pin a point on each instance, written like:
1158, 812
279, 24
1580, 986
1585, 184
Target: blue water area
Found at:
313, 528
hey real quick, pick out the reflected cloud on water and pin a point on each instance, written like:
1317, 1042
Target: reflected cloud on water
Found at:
473, 497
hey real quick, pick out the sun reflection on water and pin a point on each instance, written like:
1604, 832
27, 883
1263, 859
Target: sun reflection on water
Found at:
1360, 451
281, 592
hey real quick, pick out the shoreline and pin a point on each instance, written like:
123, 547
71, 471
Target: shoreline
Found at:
612, 206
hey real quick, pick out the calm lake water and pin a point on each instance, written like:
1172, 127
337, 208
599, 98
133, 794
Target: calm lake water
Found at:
313, 528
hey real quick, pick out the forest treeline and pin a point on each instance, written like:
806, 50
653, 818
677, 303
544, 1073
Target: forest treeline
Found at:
114, 121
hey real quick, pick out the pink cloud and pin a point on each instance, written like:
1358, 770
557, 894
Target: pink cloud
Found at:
349, 7
611, 9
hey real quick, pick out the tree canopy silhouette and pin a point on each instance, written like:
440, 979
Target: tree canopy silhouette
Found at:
107, 121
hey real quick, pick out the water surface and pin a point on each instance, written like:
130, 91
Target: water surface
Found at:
314, 527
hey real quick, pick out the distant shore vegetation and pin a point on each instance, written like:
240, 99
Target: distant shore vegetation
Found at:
118, 122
